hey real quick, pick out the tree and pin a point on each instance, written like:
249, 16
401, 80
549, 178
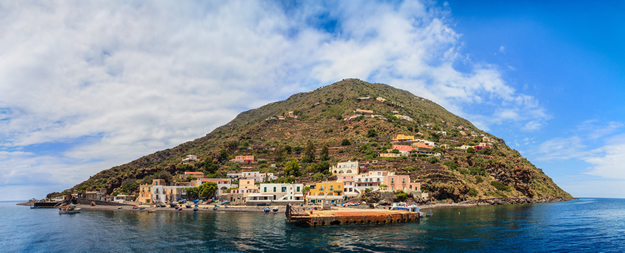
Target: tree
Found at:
223, 156
383, 186
433, 159
207, 190
372, 133
325, 154
485, 151
345, 142
395, 151
322, 167
191, 178
233, 166
209, 166
288, 149
192, 193
471, 150
279, 153
309, 152
472, 192
292, 168
129, 186
297, 149
317, 176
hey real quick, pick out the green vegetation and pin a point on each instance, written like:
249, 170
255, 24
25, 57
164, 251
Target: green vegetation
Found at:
473, 192
500, 186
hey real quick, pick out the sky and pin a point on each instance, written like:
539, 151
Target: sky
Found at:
88, 85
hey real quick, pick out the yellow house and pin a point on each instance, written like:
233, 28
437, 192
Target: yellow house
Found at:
145, 191
325, 190
402, 137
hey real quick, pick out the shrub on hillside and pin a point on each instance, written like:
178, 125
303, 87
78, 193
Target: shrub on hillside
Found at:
500, 186
472, 192
346, 142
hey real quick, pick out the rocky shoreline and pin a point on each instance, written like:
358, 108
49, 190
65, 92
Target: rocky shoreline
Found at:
493, 202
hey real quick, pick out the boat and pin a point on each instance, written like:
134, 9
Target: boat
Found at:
403, 206
119, 207
188, 206
266, 210
215, 208
428, 214
196, 208
275, 209
68, 209
173, 204
141, 208
150, 211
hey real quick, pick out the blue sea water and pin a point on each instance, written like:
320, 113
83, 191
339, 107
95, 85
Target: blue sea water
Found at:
584, 225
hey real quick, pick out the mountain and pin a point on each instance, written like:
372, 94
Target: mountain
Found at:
319, 116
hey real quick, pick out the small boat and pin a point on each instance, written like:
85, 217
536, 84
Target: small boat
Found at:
215, 208
141, 208
150, 211
266, 210
34, 207
119, 207
68, 209
173, 204
275, 209
188, 206
179, 209
196, 208
428, 214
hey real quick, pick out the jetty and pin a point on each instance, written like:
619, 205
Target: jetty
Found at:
348, 216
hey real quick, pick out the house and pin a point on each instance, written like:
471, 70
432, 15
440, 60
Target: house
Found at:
243, 159
371, 180
364, 98
395, 112
345, 168
167, 194
445, 146
401, 148
325, 191
223, 184
189, 158
192, 174
380, 99
246, 186
276, 194
400, 182
281, 118
349, 186
233, 174
422, 145
443, 133
365, 112
463, 133
145, 191
91, 195
464, 147
390, 155
402, 137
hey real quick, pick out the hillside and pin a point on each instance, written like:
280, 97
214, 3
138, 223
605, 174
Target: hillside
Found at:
491, 173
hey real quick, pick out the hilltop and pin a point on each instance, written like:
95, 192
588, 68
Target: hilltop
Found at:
357, 121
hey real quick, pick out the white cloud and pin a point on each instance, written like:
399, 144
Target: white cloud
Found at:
137, 77
502, 49
610, 162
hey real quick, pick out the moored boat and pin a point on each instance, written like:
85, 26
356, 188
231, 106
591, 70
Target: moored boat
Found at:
275, 209
68, 209
266, 210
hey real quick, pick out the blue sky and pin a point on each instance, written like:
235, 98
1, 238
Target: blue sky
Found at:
85, 86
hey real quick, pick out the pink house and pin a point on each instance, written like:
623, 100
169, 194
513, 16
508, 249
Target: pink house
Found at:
401, 182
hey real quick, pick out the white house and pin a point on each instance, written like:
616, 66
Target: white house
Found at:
280, 194
345, 168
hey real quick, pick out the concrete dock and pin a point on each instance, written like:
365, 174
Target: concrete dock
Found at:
349, 216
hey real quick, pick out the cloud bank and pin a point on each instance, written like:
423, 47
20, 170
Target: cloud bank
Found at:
88, 85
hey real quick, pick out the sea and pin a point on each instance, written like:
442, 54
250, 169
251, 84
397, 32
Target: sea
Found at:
583, 225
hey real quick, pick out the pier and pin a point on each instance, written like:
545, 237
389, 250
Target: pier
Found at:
349, 216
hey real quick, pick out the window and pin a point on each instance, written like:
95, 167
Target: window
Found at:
392, 180
359, 180
283, 189
403, 180
321, 188
265, 189
274, 189
298, 189
331, 188
379, 173
149, 190
339, 187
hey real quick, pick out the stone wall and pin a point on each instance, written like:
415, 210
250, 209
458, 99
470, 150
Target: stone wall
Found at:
99, 202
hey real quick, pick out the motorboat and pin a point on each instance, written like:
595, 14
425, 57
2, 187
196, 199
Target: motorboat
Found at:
266, 210
275, 209
68, 209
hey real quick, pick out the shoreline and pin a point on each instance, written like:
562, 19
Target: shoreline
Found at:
282, 209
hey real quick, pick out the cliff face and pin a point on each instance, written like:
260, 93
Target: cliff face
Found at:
318, 116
